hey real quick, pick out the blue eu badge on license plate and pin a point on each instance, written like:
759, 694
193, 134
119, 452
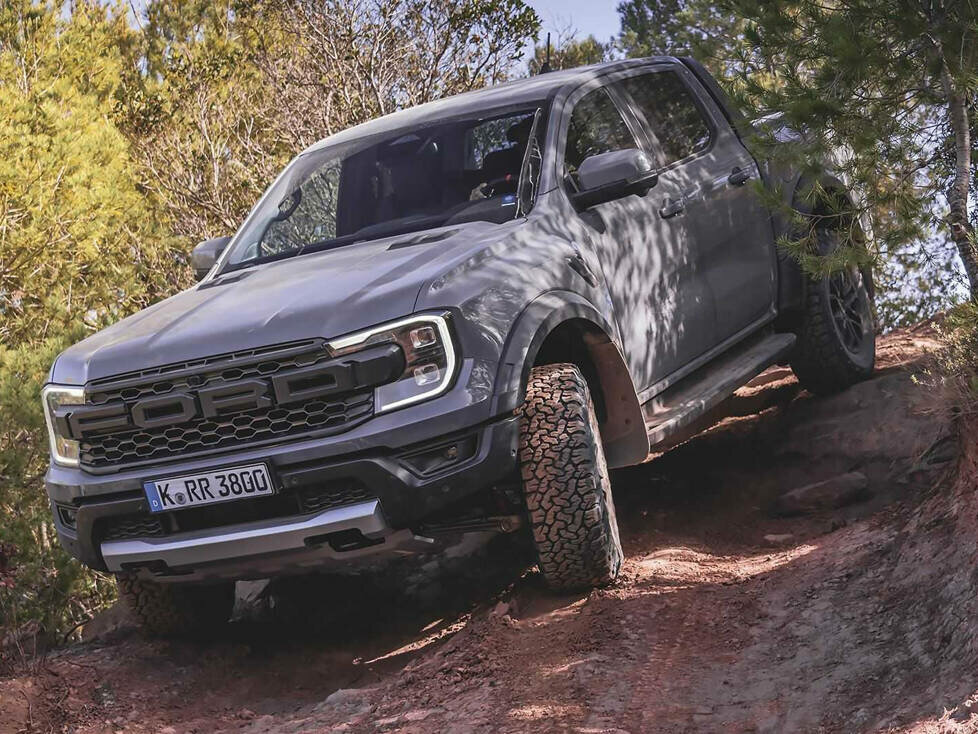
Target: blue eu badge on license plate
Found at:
153, 495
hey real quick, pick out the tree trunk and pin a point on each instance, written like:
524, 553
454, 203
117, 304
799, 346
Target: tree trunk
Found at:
962, 233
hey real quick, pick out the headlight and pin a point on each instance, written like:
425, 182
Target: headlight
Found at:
429, 358
64, 450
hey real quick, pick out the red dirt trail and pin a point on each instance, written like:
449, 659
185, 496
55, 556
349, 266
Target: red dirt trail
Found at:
846, 620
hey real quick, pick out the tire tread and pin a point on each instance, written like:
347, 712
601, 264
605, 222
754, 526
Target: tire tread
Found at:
166, 610
565, 481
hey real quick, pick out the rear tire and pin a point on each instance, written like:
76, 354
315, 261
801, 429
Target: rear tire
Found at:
174, 610
565, 482
837, 335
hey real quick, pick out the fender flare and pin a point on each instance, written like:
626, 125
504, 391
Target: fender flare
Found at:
800, 181
623, 430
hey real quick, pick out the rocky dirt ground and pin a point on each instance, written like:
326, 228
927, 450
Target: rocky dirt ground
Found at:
745, 605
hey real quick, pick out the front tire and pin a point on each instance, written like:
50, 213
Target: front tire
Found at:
565, 482
174, 610
837, 335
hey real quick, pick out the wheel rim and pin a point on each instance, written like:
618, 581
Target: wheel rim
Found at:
848, 303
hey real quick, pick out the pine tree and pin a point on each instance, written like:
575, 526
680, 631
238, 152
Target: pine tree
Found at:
892, 85
698, 28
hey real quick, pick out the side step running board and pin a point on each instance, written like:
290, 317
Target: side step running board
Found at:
669, 415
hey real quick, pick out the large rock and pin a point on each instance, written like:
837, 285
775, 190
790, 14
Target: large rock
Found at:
347, 701
251, 600
825, 495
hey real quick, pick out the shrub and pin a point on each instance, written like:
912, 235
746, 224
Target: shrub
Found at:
958, 361
80, 245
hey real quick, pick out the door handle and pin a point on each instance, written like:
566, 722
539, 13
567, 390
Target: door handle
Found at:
738, 176
672, 207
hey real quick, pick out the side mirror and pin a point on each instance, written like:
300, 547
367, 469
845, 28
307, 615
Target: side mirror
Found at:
206, 253
613, 175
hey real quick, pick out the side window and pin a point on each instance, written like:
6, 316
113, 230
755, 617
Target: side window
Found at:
671, 112
596, 126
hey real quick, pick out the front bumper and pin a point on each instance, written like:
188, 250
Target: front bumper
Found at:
265, 548
398, 488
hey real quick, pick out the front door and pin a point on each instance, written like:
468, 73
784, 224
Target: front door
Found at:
650, 263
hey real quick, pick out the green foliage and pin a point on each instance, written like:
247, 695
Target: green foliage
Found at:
699, 28
878, 89
43, 584
78, 238
958, 361
918, 280
80, 245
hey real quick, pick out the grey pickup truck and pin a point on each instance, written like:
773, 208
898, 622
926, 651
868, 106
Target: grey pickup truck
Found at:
451, 319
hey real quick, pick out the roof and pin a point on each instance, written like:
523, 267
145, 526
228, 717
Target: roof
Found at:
511, 93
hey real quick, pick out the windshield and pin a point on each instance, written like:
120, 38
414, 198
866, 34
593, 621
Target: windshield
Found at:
413, 179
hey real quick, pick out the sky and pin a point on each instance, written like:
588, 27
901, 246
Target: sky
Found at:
588, 17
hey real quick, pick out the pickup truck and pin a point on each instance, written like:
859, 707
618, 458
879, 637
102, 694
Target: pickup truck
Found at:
454, 318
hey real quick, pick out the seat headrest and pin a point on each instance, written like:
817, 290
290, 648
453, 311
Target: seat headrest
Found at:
519, 132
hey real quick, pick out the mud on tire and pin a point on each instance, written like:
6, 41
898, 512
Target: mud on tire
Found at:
565, 482
836, 335
172, 610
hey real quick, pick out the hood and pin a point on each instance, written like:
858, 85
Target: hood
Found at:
325, 294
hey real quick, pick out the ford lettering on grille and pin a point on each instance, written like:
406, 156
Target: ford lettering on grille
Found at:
224, 402
371, 367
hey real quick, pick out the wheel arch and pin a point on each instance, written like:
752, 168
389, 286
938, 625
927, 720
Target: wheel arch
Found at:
791, 279
564, 327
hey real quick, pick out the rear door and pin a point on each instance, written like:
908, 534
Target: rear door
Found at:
651, 265
705, 182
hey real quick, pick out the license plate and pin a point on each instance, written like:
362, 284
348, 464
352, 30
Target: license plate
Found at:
207, 488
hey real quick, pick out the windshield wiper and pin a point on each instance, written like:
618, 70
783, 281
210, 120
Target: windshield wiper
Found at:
318, 245
327, 243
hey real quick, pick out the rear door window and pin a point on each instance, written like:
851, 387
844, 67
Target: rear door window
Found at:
672, 114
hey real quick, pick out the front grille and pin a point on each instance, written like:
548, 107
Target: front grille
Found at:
330, 496
305, 501
323, 416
